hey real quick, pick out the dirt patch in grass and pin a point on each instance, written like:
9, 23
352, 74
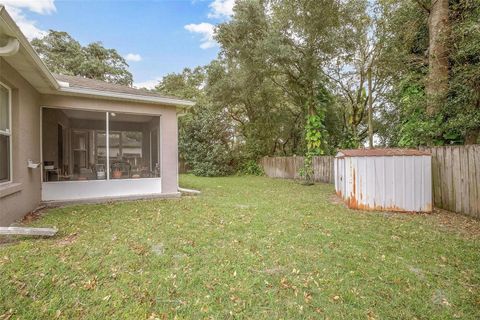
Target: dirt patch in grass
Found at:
456, 222
8, 240
68, 240
34, 215
451, 221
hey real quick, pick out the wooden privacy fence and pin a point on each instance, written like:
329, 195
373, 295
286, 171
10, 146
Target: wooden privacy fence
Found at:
455, 175
456, 178
289, 167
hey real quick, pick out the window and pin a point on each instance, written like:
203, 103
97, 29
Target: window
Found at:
5, 134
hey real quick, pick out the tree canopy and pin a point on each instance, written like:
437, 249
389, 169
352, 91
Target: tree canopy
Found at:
302, 77
65, 55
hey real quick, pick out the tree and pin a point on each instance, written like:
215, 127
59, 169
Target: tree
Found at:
243, 83
205, 141
438, 37
463, 102
205, 132
63, 54
189, 84
408, 118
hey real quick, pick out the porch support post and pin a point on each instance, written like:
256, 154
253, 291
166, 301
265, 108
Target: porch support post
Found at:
169, 151
107, 144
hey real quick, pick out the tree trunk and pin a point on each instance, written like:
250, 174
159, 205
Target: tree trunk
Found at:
370, 108
472, 136
438, 30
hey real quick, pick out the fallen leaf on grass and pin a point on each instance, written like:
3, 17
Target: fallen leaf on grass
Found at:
284, 283
371, 315
307, 296
91, 284
68, 239
154, 316
7, 315
139, 249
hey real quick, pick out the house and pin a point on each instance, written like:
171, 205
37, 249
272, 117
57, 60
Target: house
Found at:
66, 138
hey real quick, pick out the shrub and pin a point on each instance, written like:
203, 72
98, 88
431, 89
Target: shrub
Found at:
251, 167
204, 142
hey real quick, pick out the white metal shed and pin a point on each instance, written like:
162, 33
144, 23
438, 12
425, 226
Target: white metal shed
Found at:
384, 179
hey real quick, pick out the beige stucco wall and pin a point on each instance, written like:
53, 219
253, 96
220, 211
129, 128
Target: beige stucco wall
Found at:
26, 145
26, 105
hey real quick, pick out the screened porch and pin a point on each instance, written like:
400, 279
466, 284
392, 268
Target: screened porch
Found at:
95, 154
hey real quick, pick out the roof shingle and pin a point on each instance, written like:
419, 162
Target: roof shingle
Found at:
86, 83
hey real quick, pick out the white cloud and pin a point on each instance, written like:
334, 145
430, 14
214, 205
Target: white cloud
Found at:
28, 27
38, 6
206, 30
16, 10
135, 57
221, 9
148, 84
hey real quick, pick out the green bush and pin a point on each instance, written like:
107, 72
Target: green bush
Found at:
204, 142
251, 167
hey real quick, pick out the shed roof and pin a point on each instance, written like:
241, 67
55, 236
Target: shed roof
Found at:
384, 152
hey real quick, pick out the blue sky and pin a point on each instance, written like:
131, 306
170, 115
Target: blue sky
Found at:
156, 36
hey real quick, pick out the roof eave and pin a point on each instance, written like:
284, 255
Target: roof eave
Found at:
124, 96
17, 33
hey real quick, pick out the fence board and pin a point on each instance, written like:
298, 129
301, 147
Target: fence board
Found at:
457, 179
436, 176
447, 183
477, 178
465, 185
473, 183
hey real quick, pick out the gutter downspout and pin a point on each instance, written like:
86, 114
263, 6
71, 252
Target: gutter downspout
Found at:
11, 48
20, 37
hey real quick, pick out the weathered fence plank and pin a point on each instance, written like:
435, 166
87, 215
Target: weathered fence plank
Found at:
447, 183
455, 175
473, 183
436, 174
476, 178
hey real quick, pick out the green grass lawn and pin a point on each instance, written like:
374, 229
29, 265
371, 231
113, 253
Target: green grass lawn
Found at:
247, 247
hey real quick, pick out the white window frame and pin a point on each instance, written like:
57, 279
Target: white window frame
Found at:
9, 134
